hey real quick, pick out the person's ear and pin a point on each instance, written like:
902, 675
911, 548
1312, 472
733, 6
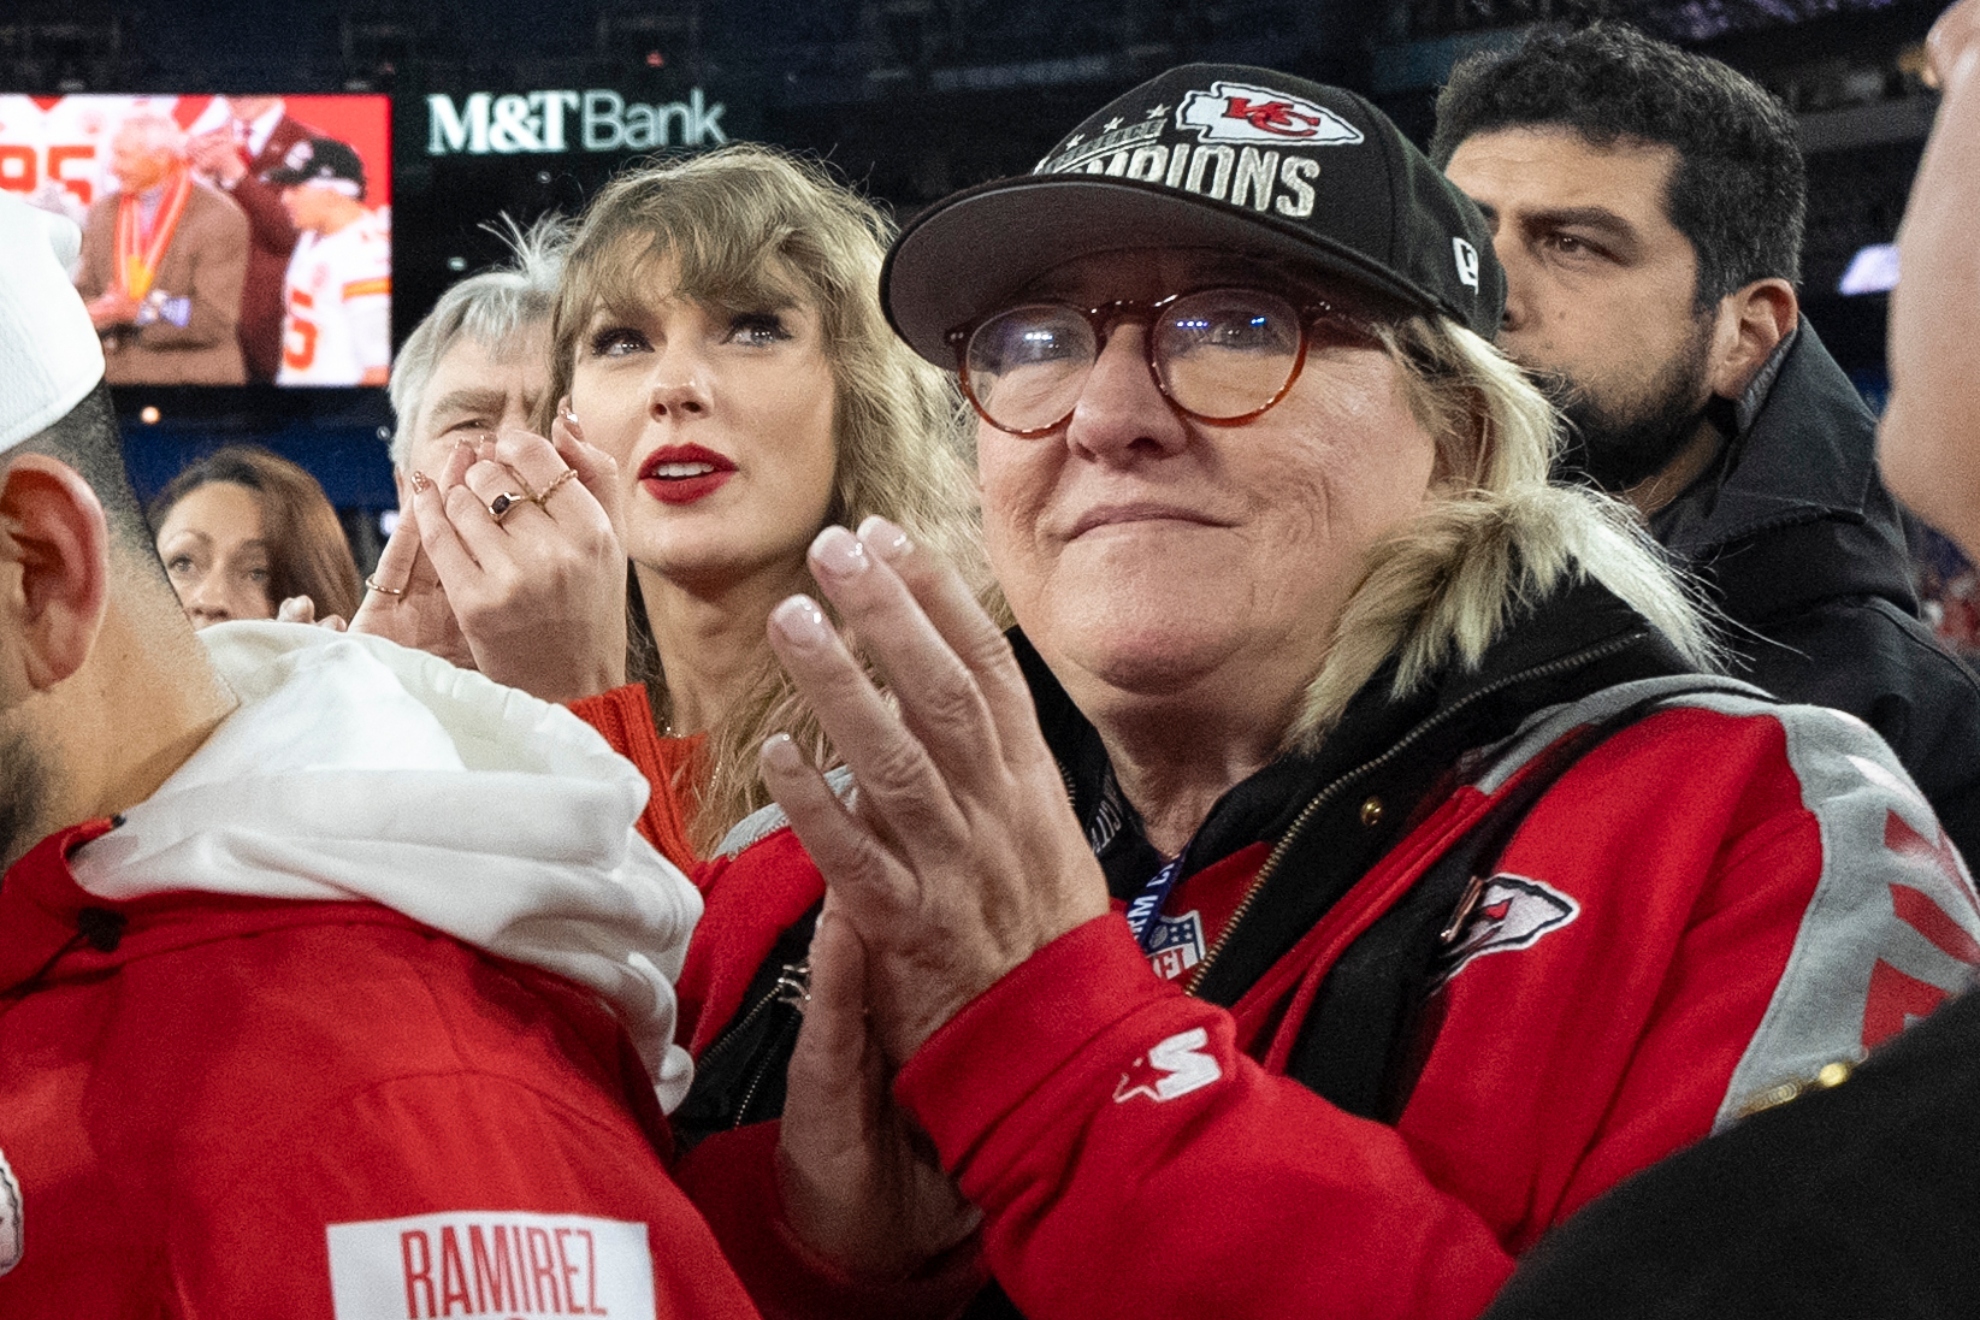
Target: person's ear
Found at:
1752, 323
54, 568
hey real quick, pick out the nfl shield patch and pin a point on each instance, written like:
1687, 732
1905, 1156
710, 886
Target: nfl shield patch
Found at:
1175, 944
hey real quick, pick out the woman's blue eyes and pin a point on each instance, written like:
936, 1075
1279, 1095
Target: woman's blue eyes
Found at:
751, 329
616, 342
758, 328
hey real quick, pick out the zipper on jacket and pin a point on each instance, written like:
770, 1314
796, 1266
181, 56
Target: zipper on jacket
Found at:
763, 1066
741, 1024
1332, 790
793, 988
793, 979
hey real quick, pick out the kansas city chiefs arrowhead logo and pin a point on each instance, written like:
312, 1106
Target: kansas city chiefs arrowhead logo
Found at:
1512, 912
11, 1241
1174, 1067
1238, 112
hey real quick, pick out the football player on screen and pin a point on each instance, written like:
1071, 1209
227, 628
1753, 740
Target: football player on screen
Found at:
337, 322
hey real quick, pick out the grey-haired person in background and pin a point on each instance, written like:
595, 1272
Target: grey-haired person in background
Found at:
464, 388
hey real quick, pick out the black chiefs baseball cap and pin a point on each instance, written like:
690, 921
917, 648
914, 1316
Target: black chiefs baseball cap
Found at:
318, 160
1221, 156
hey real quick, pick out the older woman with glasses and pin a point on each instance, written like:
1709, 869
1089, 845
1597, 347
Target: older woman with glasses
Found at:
1345, 870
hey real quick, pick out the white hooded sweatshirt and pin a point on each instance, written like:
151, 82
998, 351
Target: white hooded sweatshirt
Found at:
355, 769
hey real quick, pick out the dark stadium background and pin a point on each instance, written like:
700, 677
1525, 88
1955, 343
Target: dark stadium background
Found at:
909, 98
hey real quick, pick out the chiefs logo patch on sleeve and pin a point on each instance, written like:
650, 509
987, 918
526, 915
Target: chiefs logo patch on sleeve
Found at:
489, 1262
12, 1240
1506, 912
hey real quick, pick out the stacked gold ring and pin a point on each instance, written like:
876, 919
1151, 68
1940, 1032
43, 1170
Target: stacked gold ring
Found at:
543, 500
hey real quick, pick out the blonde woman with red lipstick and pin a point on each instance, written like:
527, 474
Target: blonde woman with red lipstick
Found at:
718, 334
718, 337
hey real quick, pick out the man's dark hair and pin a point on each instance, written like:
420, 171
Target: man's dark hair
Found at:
87, 439
1739, 193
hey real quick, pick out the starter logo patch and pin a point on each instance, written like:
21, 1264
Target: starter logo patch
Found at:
489, 1262
12, 1242
1175, 1067
1511, 912
1238, 112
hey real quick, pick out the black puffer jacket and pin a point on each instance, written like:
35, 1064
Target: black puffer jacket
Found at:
1802, 547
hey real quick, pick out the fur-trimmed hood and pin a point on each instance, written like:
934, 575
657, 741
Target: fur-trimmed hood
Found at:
1441, 591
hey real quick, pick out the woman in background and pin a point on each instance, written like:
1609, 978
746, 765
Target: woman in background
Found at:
242, 531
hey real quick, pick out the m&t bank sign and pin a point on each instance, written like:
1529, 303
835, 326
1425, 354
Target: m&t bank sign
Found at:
483, 123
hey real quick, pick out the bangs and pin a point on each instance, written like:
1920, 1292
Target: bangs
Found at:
732, 271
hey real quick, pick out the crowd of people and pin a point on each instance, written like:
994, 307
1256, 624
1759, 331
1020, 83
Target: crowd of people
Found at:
243, 251
1255, 722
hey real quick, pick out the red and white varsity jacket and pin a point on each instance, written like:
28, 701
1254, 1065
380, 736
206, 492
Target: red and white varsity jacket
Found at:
1718, 900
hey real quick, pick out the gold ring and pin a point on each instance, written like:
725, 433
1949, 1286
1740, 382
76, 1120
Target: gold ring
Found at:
373, 584
499, 507
543, 500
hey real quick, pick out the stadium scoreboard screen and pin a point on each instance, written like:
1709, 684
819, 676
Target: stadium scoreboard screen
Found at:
295, 240
227, 240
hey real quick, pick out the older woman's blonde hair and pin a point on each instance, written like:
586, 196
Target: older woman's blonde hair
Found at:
1496, 536
748, 227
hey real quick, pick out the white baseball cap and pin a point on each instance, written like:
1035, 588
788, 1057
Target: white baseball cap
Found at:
50, 357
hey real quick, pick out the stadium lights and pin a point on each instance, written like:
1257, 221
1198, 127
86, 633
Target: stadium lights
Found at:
1874, 269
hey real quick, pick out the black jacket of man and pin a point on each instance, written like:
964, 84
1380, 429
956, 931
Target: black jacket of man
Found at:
1863, 1200
1801, 545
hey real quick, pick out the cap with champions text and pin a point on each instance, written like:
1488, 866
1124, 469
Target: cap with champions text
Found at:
50, 357
1222, 156
320, 160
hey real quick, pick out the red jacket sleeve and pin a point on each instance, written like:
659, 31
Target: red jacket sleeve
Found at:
458, 1193
1715, 896
1131, 1162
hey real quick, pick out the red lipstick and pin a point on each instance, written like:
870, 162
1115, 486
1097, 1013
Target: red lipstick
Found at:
682, 474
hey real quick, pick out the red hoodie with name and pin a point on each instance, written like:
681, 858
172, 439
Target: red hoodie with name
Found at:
263, 1108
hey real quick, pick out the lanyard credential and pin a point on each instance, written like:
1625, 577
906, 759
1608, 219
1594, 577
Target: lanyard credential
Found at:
1148, 903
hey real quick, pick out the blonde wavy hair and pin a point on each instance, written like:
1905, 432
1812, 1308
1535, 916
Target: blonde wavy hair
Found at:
745, 226
1495, 536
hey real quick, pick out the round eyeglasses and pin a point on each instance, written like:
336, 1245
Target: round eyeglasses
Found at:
1222, 356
